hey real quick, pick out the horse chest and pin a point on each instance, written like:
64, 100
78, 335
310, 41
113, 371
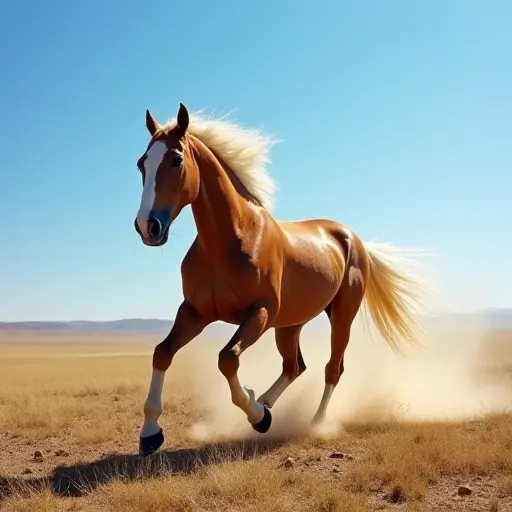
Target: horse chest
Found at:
222, 287
219, 301
218, 295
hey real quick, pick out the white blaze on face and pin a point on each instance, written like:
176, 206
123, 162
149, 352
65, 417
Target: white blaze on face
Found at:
154, 158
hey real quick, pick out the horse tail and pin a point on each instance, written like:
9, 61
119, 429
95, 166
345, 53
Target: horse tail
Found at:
394, 290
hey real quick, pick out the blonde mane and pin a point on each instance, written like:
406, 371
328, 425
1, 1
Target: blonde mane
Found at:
244, 151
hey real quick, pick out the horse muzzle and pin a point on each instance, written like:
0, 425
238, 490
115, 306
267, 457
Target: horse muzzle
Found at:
155, 232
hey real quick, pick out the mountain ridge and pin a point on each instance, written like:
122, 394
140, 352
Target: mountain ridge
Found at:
499, 318
120, 326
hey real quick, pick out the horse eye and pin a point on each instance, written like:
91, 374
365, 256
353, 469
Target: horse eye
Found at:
176, 161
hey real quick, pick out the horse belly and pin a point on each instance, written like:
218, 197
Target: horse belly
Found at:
307, 290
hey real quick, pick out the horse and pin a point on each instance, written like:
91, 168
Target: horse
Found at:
248, 269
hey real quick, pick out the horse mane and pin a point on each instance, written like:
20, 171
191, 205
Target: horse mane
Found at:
244, 151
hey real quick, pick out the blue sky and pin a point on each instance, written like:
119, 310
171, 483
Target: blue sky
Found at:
396, 120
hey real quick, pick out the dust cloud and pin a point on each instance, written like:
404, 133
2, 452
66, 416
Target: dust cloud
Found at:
459, 372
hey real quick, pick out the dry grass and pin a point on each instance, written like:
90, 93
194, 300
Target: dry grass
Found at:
415, 456
90, 407
233, 485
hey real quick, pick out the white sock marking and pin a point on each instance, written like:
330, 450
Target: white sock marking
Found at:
153, 404
244, 398
326, 397
154, 158
275, 391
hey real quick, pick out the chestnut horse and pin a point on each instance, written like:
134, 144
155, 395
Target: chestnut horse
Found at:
248, 269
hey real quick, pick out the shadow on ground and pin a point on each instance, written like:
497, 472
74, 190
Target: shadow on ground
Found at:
80, 479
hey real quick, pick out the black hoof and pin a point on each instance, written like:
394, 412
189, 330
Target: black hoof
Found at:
263, 425
150, 444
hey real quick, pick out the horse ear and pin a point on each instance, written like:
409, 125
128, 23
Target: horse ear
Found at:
151, 124
183, 119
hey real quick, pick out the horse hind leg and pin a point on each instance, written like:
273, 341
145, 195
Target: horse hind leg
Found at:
341, 312
287, 342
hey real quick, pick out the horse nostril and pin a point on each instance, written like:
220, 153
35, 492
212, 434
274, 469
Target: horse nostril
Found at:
154, 228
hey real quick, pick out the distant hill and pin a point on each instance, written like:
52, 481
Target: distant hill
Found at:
124, 326
501, 318
490, 319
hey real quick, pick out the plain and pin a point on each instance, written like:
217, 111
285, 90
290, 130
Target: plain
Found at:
430, 431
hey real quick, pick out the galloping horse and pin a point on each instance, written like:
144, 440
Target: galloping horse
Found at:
248, 269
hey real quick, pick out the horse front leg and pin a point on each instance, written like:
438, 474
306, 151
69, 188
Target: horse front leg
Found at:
187, 325
249, 332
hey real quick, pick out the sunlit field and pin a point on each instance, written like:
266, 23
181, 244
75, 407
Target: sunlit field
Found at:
429, 432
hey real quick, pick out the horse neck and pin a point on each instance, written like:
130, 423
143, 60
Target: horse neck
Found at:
222, 204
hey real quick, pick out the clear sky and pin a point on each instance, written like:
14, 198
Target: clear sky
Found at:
395, 119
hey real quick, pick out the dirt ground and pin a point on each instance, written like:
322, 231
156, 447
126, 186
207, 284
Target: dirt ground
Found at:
429, 432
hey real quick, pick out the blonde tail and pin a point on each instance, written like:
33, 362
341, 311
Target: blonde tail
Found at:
393, 292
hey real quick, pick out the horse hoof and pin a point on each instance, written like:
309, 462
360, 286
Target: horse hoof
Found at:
263, 425
150, 444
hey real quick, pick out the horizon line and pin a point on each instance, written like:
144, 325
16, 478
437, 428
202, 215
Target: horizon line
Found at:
156, 319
